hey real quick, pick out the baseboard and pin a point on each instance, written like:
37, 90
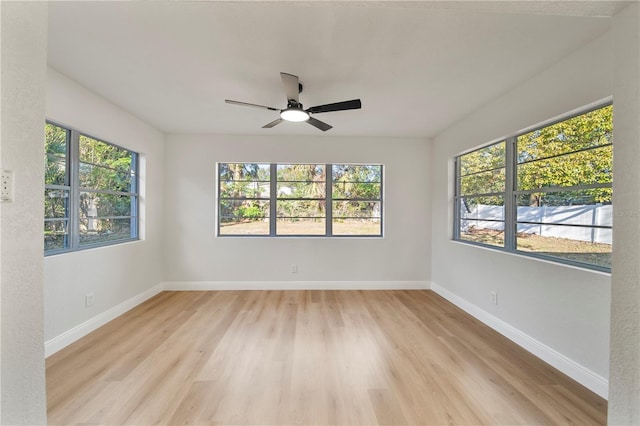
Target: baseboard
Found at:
576, 371
297, 285
68, 337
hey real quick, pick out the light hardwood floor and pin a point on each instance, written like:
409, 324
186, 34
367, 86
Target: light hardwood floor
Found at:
307, 357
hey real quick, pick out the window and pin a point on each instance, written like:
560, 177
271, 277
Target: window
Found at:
545, 193
244, 198
57, 188
91, 191
482, 193
299, 199
356, 200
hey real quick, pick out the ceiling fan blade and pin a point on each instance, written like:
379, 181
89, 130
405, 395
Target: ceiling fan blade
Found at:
291, 85
250, 105
319, 124
273, 123
338, 106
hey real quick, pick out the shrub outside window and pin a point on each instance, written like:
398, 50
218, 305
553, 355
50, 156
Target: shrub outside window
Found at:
91, 191
261, 199
545, 193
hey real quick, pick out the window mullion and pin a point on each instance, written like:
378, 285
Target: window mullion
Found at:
74, 196
510, 209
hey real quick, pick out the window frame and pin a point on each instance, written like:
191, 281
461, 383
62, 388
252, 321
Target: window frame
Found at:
512, 192
273, 223
458, 197
274, 198
72, 178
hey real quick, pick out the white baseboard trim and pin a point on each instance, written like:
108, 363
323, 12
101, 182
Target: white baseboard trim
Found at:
68, 337
297, 285
576, 371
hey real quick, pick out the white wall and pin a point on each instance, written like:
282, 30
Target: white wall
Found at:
24, 40
194, 254
624, 401
114, 273
564, 309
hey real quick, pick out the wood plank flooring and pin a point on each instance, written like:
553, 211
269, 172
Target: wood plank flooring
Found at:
307, 357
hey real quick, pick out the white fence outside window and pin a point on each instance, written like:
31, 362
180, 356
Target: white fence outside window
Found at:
589, 216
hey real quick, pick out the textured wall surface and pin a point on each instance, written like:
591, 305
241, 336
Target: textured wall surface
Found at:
24, 38
624, 397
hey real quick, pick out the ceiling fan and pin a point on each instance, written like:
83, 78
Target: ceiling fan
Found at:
295, 111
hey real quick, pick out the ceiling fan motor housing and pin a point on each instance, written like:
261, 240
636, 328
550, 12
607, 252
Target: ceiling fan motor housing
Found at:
292, 102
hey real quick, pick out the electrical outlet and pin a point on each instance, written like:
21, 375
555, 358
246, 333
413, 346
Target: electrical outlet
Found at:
6, 186
88, 300
494, 297
294, 268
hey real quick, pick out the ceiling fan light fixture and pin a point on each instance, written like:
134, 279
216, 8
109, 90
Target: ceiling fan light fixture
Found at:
294, 111
294, 114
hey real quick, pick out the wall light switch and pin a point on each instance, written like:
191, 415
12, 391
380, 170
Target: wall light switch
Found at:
6, 186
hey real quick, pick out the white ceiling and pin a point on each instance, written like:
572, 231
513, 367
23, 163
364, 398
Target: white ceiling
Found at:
417, 66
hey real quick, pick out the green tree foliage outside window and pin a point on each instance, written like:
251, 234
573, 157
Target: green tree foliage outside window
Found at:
574, 152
